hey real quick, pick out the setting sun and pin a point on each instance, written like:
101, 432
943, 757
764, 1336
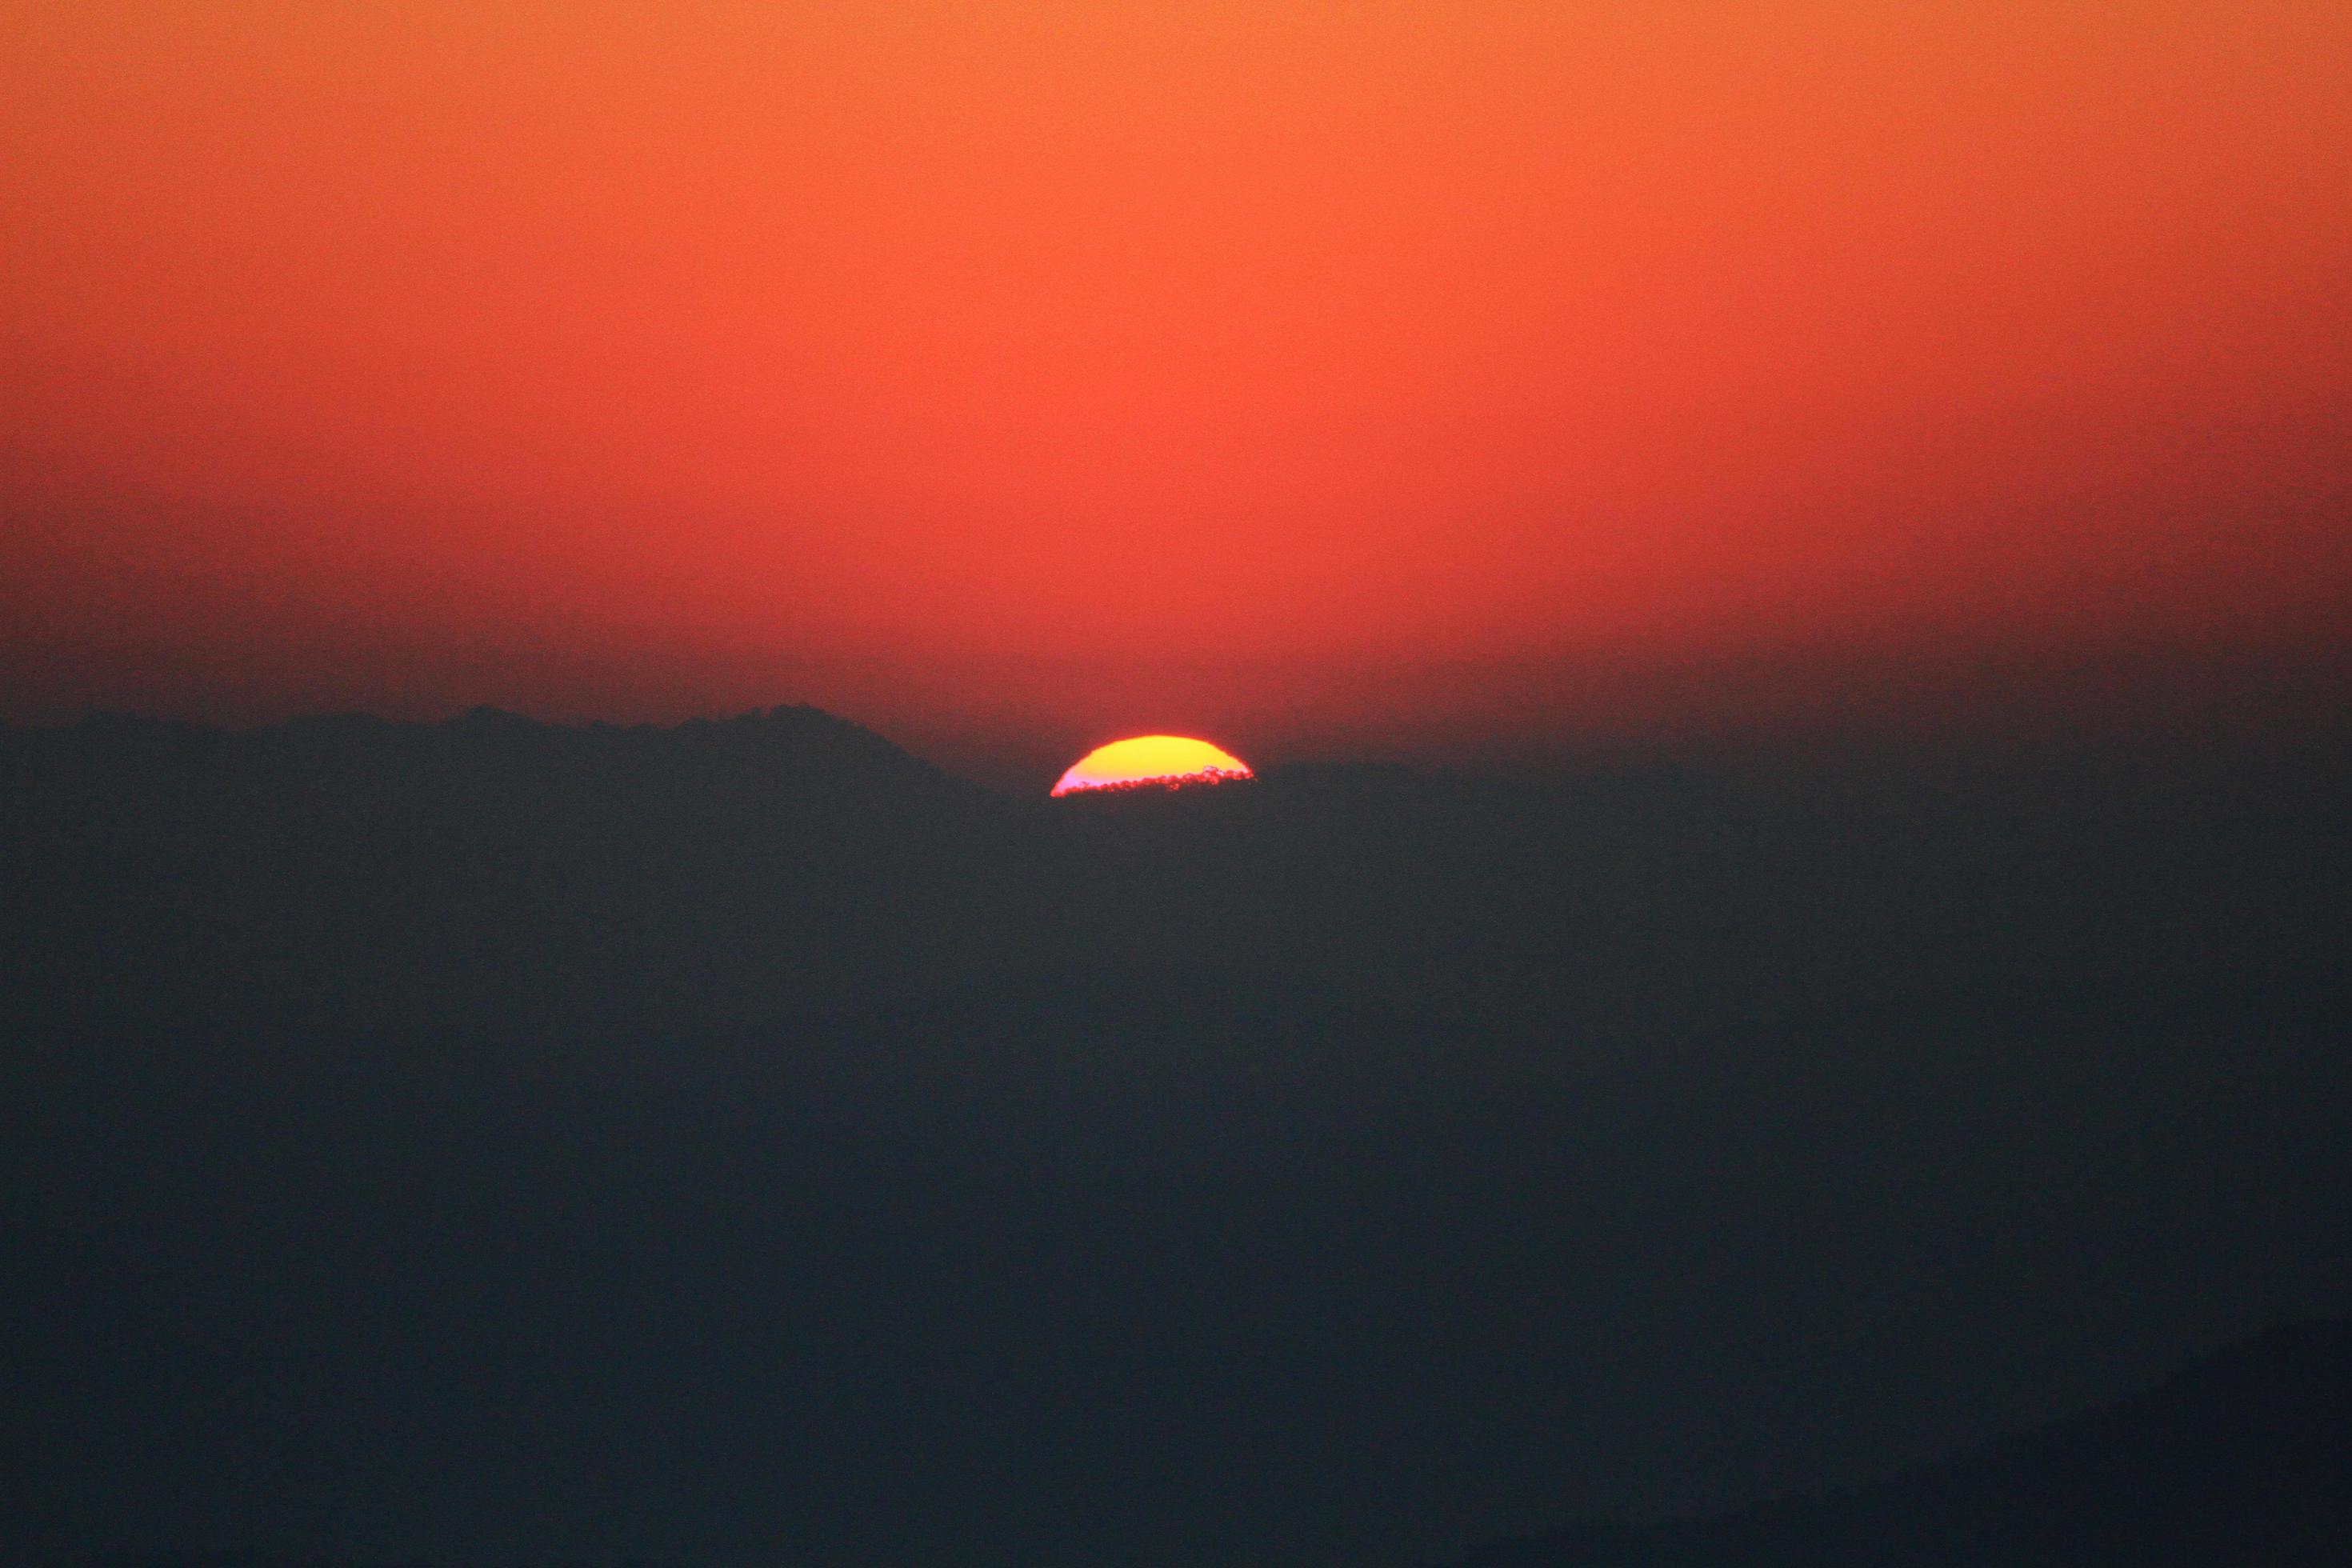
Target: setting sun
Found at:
1172, 761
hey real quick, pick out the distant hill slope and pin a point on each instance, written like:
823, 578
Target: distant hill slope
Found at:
176, 870
2243, 1459
749, 865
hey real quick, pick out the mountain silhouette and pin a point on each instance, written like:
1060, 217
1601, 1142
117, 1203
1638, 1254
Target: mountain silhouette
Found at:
741, 1142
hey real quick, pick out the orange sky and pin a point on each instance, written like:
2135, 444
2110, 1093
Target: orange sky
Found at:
1083, 368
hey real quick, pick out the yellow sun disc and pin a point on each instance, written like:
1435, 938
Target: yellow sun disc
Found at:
1168, 761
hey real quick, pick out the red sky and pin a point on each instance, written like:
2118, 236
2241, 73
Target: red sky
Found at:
1010, 376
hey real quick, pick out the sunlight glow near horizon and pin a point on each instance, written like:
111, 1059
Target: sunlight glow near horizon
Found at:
1171, 760
1480, 369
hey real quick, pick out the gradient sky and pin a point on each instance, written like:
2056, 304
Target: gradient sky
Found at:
1021, 376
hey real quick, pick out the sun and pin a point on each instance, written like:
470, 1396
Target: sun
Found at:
1167, 762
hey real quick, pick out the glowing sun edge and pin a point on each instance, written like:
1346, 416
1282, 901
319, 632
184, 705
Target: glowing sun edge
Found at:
1107, 767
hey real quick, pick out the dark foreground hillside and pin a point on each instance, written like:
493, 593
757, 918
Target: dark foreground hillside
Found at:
2243, 1458
741, 1143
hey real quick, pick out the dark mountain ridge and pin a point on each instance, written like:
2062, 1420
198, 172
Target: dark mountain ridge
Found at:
741, 1142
